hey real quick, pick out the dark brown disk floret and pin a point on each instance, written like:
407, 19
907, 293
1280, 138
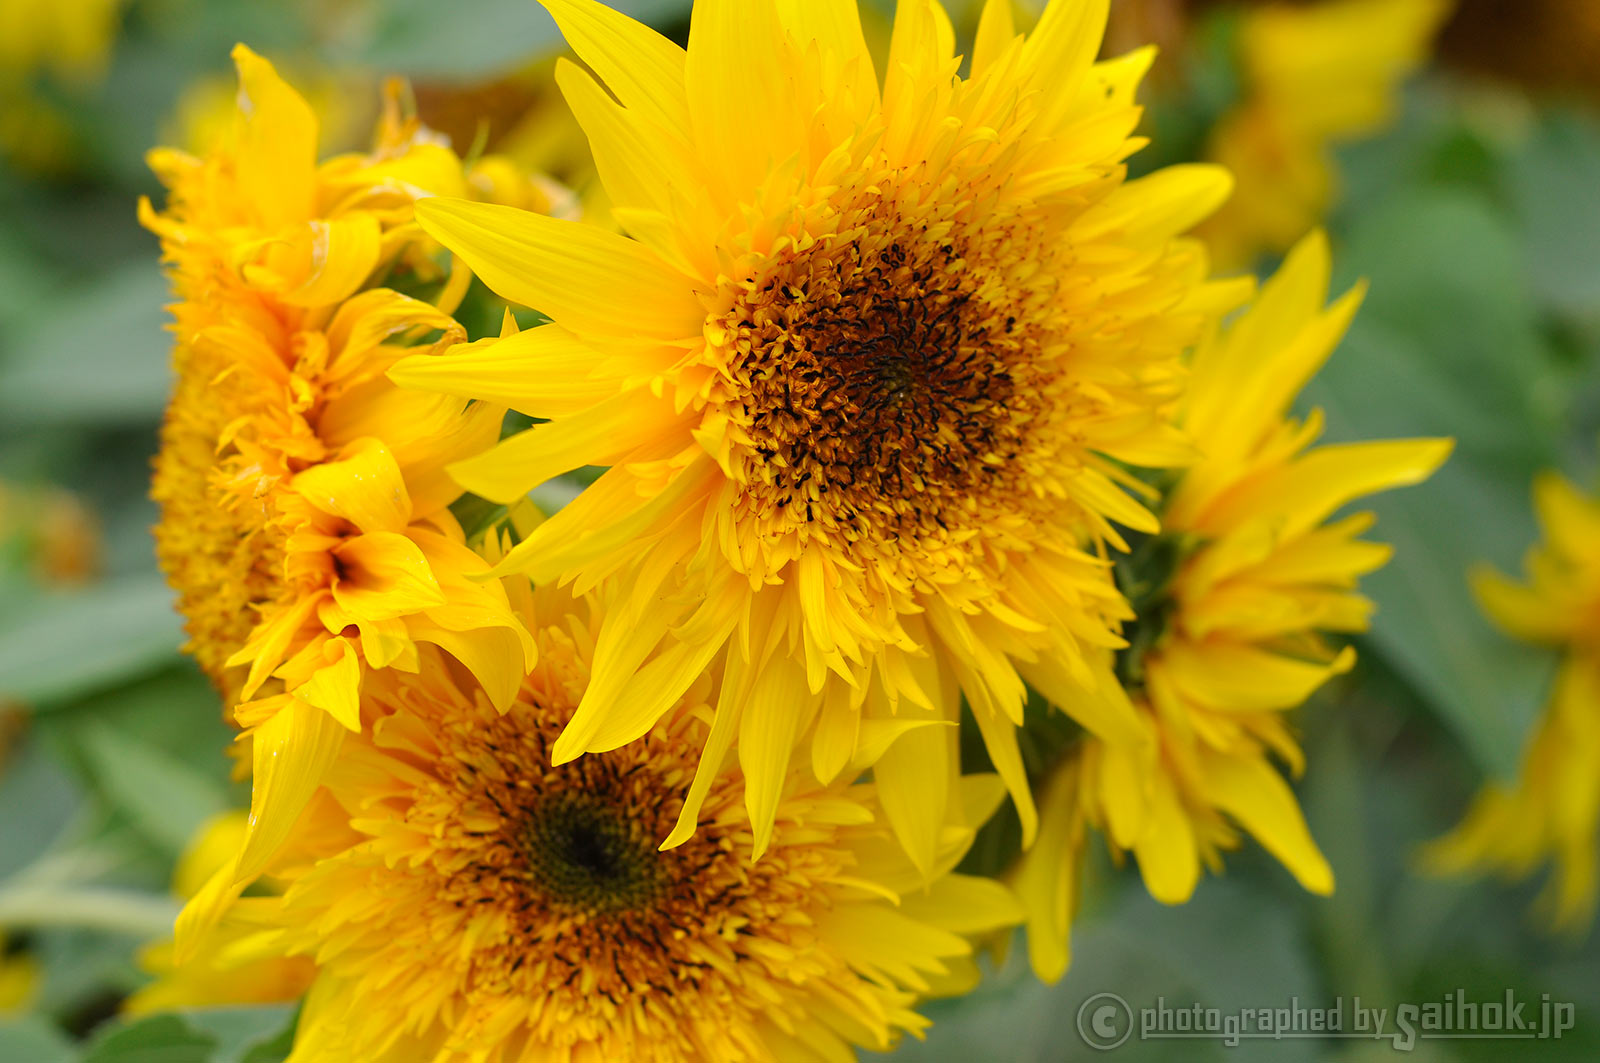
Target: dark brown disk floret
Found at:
880, 381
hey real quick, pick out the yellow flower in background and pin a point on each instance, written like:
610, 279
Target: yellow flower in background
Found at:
19, 980
1234, 636
303, 497
1551, 812
71, 39
1314, 74
223, 973
67, 42
54, 532
863, 377
465, 899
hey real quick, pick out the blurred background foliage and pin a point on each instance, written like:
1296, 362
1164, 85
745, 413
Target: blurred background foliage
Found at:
1473, 213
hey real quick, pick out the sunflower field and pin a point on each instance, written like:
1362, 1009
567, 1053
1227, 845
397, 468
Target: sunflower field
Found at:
795, 531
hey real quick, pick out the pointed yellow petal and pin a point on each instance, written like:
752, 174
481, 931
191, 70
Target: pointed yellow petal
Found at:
641, 68
291, 754
335, 688
277, 138
1047, 879
1249, 790
1169, 860
997, 29
731, 702
913, 777
607, 434
767, 730
577, 275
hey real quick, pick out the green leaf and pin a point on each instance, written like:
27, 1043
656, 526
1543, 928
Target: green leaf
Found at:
37, 801
1232, 946
1448, 345
64, 643
1553, 183
244, 1034
165, 799
422, 38
33, 1040
94, 354
158, 1039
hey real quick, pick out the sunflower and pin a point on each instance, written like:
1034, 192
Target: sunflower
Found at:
304, 520
465, 899
1314, 74
1235, 600
863, 376
1551, 811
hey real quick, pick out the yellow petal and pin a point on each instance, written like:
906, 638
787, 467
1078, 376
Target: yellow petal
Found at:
277, 144
1305, 492
640, 67
1169, 859
335, 687
767, 730
913, 777
291, 754
997, 29
964, 904
577, 275
1249, 790
1047, 879
364, 486
341, 254
731, 701
607, 434
384, 575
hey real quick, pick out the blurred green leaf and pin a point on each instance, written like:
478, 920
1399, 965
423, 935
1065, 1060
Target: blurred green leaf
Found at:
94, 354
33, 1040
1448, 345
164, 798
244, 1034
158, 1039
1232, 946
64, 643
478, 39
1554, 182
175, 710
37, 801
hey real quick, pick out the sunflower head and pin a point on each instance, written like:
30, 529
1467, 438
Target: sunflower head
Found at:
303, 496
463, 898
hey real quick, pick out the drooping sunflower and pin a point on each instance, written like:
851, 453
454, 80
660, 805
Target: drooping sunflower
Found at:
1551, 811
304, 520
465, 899
1314, 75
864, 375
1237, 597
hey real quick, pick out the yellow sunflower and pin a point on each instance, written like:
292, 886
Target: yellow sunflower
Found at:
863, 376
1551, 811
465, 899
1314, 74
303, 497
1231, 634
